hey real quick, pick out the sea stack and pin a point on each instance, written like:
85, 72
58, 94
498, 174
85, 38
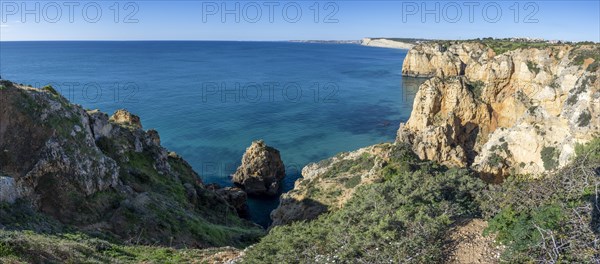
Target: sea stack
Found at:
261, 170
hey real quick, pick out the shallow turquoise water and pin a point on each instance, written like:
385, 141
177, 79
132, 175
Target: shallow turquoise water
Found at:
209, 100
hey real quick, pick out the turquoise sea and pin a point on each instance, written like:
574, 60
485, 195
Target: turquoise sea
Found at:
210, 100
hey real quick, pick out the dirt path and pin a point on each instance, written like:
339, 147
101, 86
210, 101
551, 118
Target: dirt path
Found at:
468, 245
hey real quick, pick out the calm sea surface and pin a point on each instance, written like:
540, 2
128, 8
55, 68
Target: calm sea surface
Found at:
209, 100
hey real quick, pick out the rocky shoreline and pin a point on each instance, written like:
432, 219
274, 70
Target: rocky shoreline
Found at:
482, 114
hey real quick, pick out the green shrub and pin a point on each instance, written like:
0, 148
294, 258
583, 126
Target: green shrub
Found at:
6, 250
584, 84
495, 160
31, 247
501, 46
549, 157
476, 87
521, 230
402, 159
50, 89
584, 119
533, 67
550, 219
403, 219
590, 150
363, 162
593, 66
353, 181
579, 55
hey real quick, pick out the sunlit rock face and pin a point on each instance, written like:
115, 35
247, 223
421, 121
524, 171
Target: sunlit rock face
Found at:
523, 111
261, 170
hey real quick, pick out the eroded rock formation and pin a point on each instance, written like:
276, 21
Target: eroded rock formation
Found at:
123, 117
261, 170
523, 111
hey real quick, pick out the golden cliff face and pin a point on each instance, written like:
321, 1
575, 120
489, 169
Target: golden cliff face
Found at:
523, 111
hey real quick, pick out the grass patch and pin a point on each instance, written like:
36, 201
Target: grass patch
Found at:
500, 46
31, 247
363, 162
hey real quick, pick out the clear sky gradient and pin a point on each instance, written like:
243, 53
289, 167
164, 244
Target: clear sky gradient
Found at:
281, 20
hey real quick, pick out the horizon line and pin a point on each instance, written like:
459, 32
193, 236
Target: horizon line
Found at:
281, 40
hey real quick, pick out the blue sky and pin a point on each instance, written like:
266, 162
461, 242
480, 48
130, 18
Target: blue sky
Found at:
280, 20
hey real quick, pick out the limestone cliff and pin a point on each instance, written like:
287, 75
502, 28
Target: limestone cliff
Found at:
522, 111
105, 174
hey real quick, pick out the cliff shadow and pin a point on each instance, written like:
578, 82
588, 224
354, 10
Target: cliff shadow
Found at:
291, 210
471, 132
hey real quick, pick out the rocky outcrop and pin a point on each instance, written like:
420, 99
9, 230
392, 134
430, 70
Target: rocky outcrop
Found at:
234, 196
124, 118
106, 175
48, 149
523, 111
442, 59
261, 170
328, 184
9, 192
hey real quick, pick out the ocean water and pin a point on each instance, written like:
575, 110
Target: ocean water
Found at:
210, 100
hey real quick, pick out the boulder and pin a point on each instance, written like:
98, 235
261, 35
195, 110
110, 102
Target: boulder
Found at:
261, 170
123, 117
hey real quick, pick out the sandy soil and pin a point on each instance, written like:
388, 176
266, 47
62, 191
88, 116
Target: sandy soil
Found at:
468, 245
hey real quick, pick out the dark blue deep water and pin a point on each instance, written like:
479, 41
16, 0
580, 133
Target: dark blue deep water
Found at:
209, 100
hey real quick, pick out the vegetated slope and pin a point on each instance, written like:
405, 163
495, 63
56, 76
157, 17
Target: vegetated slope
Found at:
25, 246
401, 217
328, 184
551, 219
408, 216
102, 176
